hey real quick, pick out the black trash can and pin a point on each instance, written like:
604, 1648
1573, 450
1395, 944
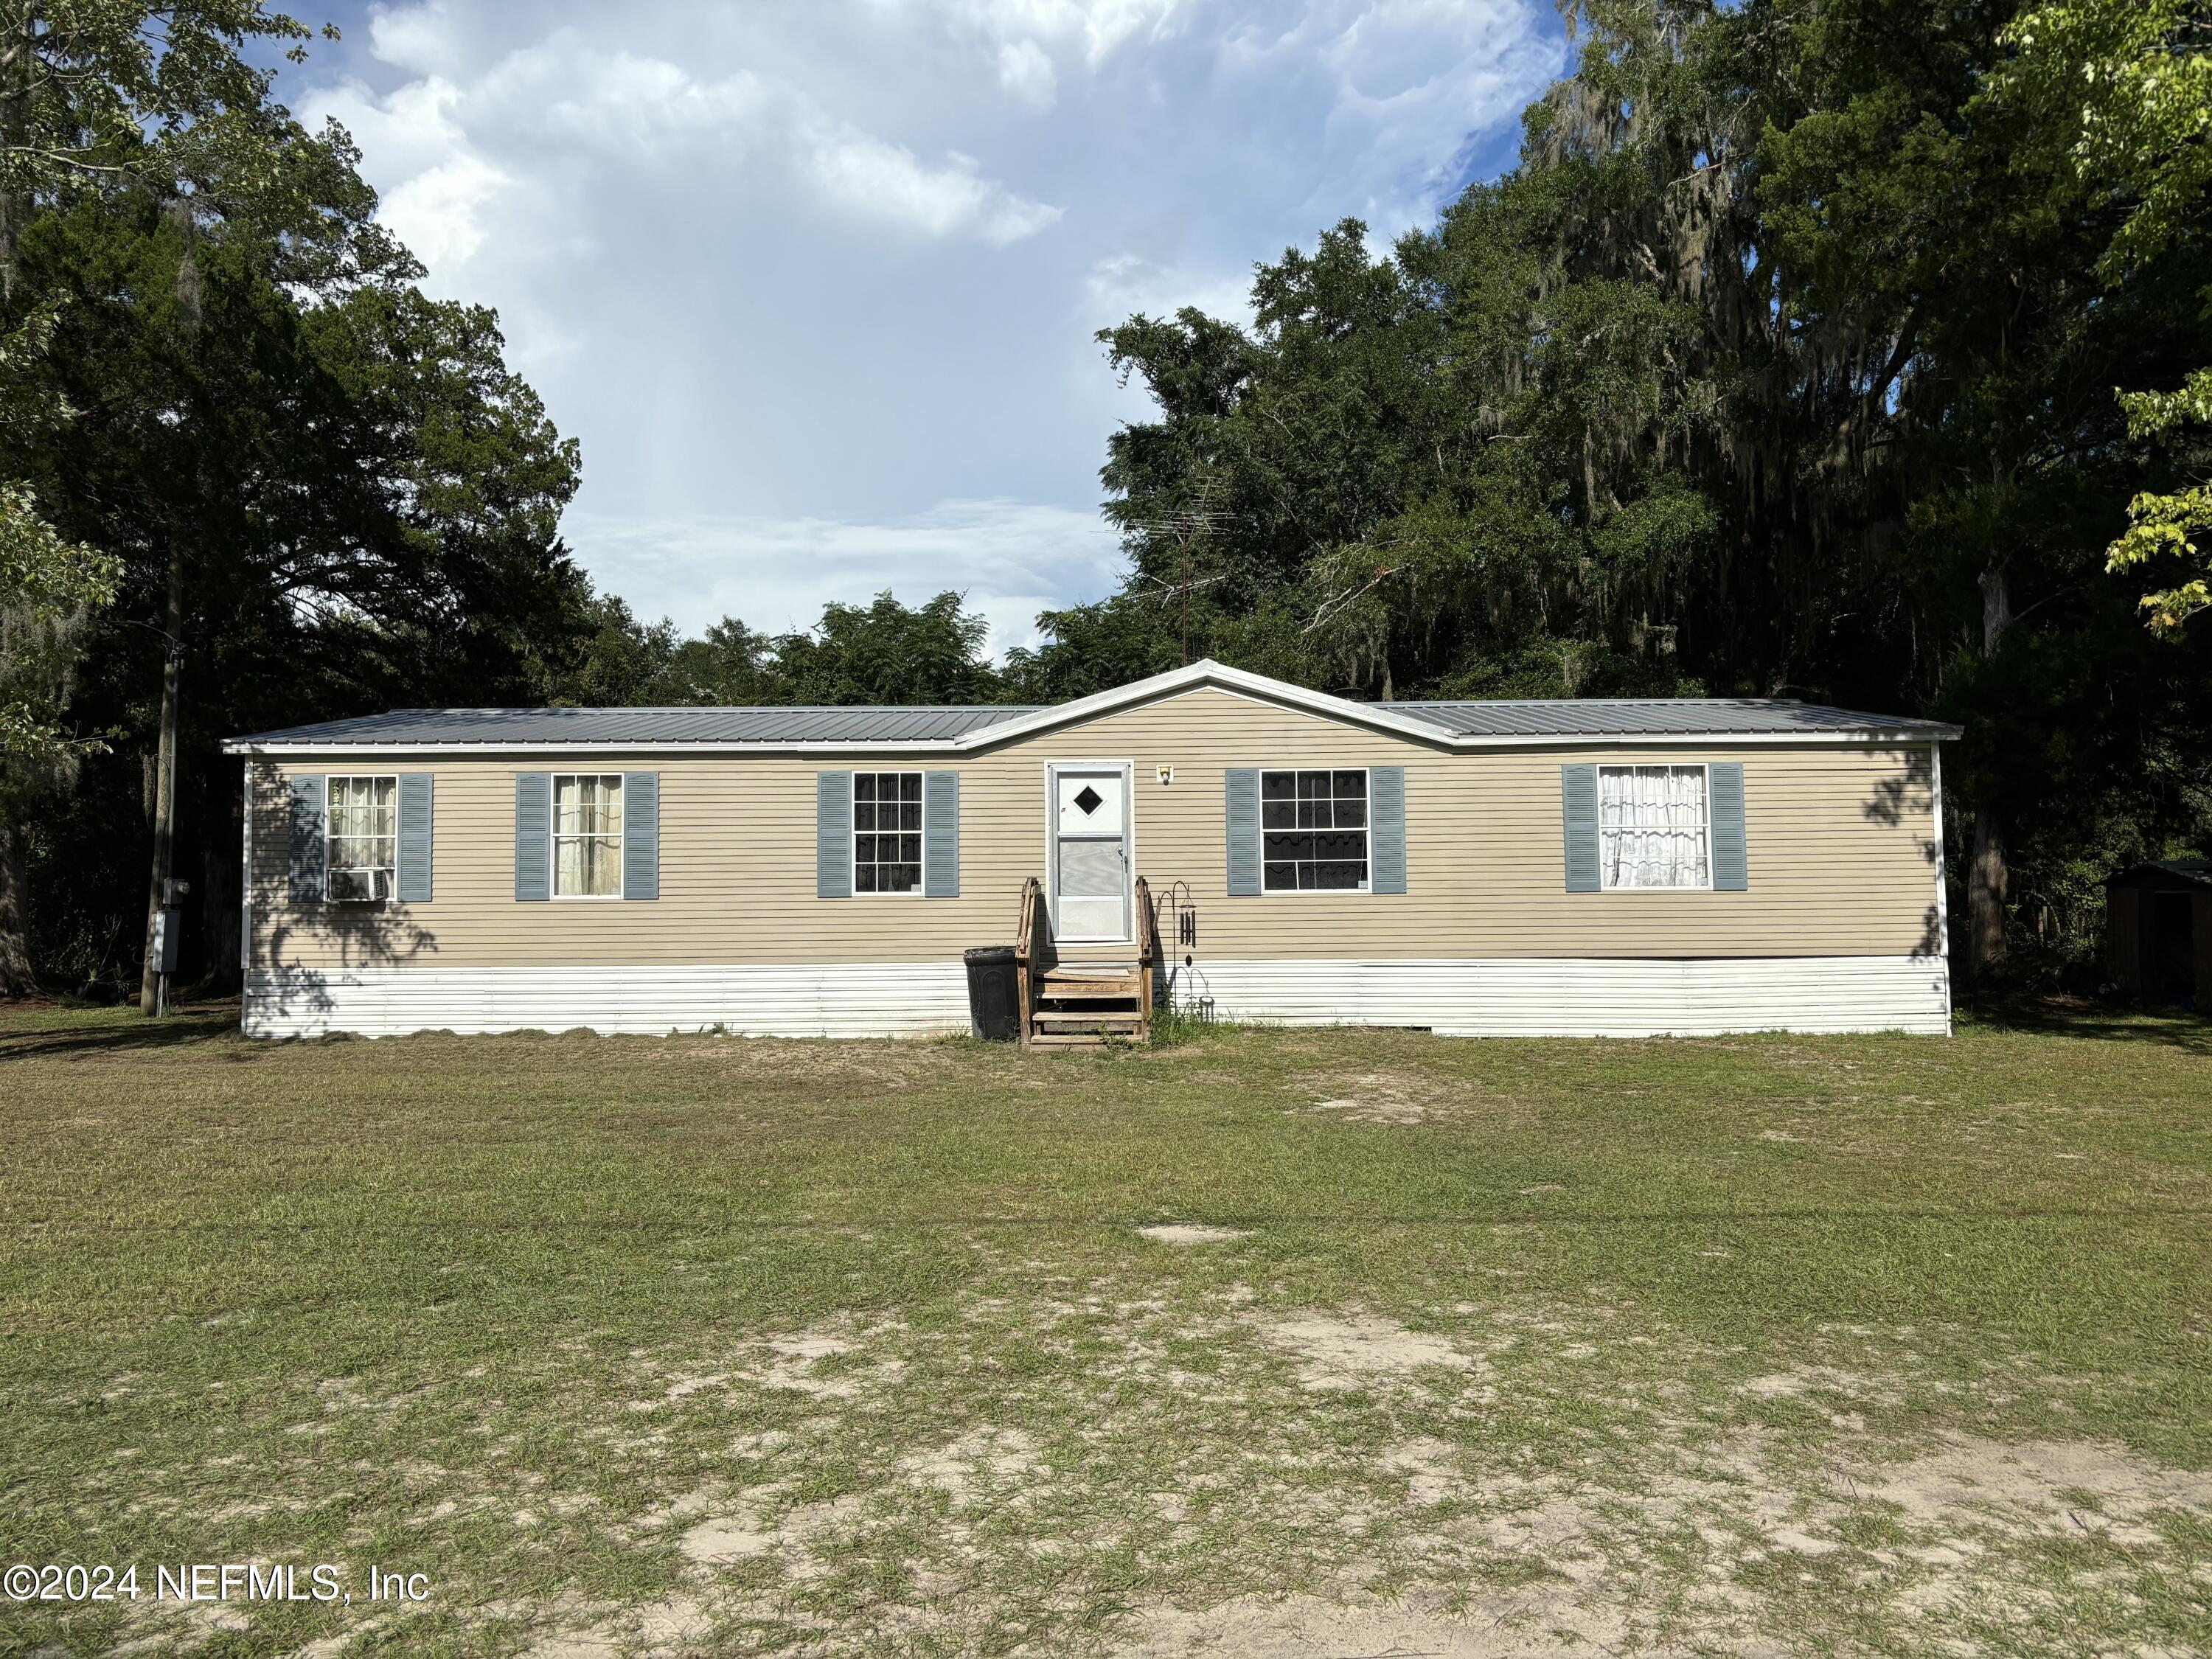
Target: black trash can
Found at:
992, 1002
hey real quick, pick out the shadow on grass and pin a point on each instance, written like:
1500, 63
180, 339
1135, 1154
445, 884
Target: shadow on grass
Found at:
2074, 1016
28, 1031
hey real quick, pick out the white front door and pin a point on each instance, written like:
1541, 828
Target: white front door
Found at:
1091, 872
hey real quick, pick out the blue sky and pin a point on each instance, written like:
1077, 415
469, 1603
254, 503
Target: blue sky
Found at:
815, 283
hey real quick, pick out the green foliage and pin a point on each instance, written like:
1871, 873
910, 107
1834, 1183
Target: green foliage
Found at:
2163, 525
47, 586
2130, 85
880, 652
102, 95
2125, 88
883, 653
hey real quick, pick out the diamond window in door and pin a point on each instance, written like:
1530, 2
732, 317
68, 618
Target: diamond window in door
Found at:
1089, 800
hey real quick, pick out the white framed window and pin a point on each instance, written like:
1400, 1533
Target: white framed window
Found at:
887, 832
1313, 831
587, 835
1654, 826
362, 856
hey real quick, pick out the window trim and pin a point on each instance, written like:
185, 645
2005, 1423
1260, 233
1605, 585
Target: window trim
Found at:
852, 832
1705, 768
331, 835
1366, 889
553, 839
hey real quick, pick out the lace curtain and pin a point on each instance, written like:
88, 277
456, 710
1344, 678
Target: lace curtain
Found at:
1652, 825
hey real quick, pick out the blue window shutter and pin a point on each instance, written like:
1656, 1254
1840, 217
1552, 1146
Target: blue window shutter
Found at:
1386, 816
309, 850
940, 835
1578, 807
1731, 865
417, 792
833, 835
1242, 808
534, 836
640, 822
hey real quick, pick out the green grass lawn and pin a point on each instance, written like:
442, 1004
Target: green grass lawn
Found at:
1758, 1345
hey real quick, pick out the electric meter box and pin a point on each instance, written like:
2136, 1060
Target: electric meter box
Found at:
169, 934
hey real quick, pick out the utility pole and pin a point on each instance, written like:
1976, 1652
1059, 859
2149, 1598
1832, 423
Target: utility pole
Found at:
161, 918
1182, 536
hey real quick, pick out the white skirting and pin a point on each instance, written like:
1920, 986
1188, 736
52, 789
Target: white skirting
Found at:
789, 999
1513, 997
1614, 996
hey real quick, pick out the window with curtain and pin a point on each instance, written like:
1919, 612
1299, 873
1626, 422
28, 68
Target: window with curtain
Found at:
1653, 827
587, 836
887, 832
363, 816
1313, 831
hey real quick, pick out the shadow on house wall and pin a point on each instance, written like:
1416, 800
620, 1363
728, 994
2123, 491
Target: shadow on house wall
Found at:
1908, 799
365, 936
336, 939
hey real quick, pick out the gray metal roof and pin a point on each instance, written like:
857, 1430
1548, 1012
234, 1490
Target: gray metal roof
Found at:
1631, 717
619, 728
412, 728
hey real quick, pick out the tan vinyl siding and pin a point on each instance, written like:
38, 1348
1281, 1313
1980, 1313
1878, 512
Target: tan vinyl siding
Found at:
1838, 837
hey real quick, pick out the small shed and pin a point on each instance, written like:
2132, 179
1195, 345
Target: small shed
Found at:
2158, 929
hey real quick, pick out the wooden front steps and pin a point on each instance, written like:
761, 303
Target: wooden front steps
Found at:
1082, 1005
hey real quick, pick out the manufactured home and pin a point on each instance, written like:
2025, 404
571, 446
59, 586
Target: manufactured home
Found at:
1239, 846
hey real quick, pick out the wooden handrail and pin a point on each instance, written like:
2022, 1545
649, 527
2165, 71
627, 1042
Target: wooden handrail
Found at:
1025, 942
1025, 935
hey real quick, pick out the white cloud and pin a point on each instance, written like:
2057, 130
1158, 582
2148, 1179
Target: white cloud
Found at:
1025, 69
623, 112
1099, 27
435, 188
421, 39
864, 174
1123, 284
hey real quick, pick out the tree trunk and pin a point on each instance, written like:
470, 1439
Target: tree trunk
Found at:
222, 841
164, 772
1987, 873
1986, 880
1996, 606
20, 51
15, 977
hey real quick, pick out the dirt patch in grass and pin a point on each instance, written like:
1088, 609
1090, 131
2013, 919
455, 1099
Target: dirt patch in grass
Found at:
2038, 1486
1190, 1232
1347, 1352
982, 1459
1304, 1626
1385, 1097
